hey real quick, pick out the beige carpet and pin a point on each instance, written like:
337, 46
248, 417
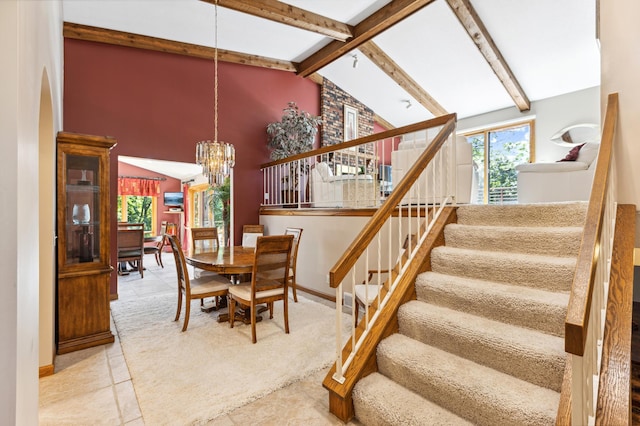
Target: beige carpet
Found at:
483, 341
209, 370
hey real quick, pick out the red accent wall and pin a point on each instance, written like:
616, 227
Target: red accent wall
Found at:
158, 105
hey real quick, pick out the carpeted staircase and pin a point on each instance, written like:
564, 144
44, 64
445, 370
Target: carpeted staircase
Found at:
483, 343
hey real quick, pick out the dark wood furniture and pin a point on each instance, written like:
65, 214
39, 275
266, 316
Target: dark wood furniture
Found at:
131, 248
297, 233
156, 248
232, 261
269, 280
225, 260
250, 233
204, 239
83, 257
198, 288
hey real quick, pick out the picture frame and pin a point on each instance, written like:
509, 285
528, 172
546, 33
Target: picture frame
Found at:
350, 123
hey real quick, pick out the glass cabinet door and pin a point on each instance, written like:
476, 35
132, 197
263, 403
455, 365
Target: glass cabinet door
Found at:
82, 209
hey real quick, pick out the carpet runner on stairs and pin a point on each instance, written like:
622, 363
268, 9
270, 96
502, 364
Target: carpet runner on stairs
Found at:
483, 343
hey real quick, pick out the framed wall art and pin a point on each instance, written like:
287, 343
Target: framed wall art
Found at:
350, 123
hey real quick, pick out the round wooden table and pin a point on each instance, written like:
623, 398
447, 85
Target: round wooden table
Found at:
227, 261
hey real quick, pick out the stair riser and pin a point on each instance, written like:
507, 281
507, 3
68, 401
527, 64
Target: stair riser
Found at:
538, 368
556, 276
507, 308
565, 244
570, 214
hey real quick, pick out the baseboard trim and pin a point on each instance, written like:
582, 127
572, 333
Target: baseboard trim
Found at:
45, 370
316, 293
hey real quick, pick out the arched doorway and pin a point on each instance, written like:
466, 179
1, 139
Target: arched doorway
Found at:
46, 223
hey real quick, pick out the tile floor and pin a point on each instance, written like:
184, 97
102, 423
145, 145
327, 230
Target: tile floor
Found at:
93, 386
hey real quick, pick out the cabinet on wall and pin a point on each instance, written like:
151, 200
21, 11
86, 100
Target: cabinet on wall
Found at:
84, 263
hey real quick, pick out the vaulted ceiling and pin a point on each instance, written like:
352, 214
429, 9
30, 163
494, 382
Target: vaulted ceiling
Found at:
415, 58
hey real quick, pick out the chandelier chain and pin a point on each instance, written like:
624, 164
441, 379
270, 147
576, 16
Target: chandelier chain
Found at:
216, 158
215, 80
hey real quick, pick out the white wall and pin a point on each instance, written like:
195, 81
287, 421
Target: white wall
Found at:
30, 42
324, 239
620, 47
551, 115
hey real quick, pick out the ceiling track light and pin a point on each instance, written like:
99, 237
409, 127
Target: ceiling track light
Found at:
355, 61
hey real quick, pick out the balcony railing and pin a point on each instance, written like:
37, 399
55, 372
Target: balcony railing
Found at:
353, 174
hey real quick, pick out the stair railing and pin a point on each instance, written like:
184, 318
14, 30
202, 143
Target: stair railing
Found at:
584, 324
379, 246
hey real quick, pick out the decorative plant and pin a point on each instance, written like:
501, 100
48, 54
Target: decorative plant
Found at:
293, 134
220, 203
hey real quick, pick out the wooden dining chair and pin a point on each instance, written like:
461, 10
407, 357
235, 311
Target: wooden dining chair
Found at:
197, 288
269, 280
250, 233
204, 239
156, 245
297, 233
130, 244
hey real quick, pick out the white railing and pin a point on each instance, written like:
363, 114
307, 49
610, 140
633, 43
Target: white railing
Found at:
354, 174
341, 177
584, 329
386, 245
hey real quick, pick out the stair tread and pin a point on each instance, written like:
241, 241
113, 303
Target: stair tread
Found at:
528, 307
548, 272
478, 393
379, 400
541, 214
557, 241
524, 353
506, 256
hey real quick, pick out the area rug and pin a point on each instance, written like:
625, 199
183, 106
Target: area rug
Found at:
211, 369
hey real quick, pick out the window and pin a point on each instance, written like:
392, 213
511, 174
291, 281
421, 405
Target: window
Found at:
210, 208
497, 152
138, 209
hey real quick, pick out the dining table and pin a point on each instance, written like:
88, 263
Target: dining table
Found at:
234, 262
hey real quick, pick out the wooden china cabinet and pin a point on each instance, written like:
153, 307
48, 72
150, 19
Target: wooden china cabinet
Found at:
84, 263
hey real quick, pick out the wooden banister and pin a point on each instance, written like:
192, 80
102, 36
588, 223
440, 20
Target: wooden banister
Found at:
359, 244
577, 319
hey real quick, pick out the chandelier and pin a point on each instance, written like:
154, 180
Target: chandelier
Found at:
216, 158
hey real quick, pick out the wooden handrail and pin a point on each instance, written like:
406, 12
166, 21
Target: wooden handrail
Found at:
434, 122
359, 244
577, 320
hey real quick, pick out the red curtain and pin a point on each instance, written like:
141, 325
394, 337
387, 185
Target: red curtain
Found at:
139, 187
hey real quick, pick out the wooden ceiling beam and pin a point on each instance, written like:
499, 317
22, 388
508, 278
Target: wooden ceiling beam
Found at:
286, 14
371, 26
120, 38
397, 74
478, 32
382, 122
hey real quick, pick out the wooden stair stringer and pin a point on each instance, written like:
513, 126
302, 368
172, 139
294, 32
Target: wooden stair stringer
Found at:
364, 362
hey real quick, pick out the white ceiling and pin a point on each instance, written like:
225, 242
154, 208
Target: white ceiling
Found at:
174, 169
549, 45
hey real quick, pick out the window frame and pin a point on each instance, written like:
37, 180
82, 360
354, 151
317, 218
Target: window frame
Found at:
485, 131
154, 211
